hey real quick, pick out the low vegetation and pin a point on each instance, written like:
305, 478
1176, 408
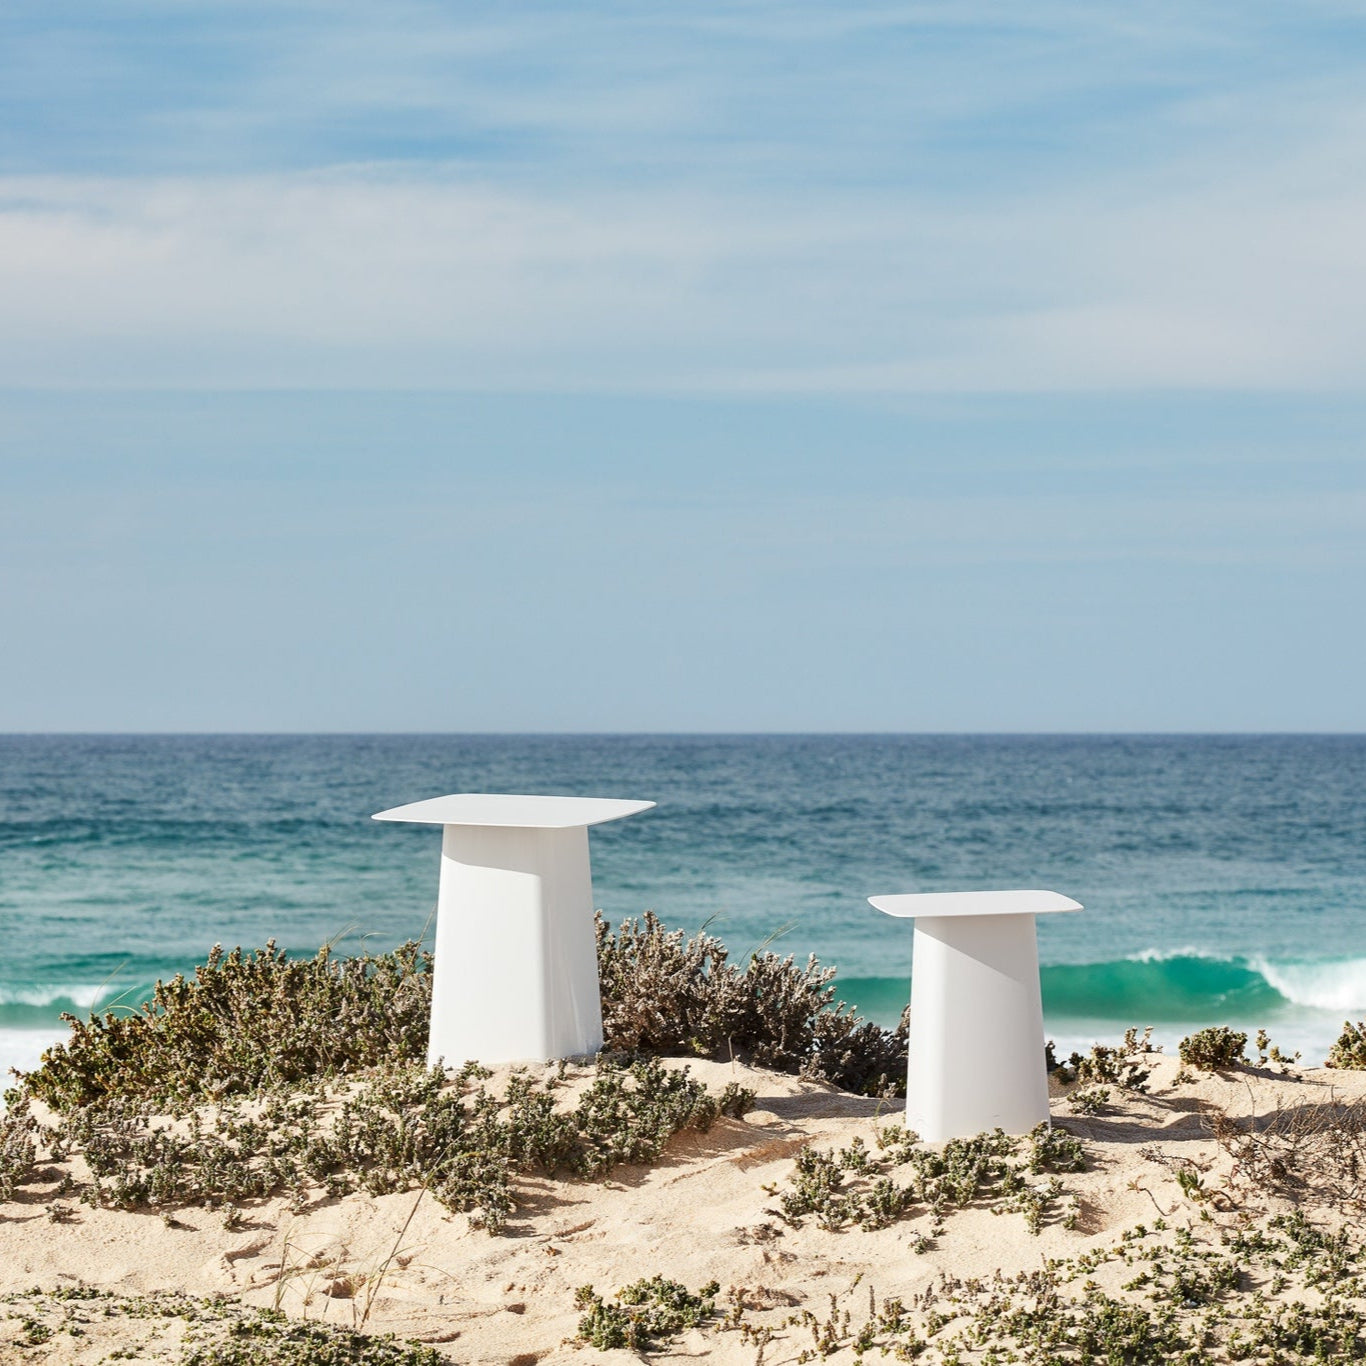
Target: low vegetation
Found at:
263, 1075
186, 1331
1312, 1155
1349, 1052
1214, 1050
1285, 1293
858, 1185
243, 1024
400, 1129
647, 1314
248, 1023
1124, 1065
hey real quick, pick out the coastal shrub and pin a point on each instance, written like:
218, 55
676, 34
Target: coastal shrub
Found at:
667, 992
246, 1021
1214, 1050
1349, 1052
855, 1186
251, 1021
403, 1129
643, 1315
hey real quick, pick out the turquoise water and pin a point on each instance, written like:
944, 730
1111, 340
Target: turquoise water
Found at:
1224, 877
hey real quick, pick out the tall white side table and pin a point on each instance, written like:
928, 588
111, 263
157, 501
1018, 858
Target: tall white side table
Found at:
515, 976
976, 1052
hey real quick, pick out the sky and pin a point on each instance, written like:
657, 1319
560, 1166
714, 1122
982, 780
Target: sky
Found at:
655, 367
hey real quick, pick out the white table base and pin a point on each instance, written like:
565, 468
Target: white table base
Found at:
976, 1042
516, 969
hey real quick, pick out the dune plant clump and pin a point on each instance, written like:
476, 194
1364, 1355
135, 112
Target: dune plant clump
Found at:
1123, 1065
1349, 1052
246, 1022
671, 993
1313, 1155
855, 1186
1268, 1052
1214, 1050
645, 1314
18, 1148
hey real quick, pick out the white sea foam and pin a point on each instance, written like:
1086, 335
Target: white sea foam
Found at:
84, 995
1337, 985
1166, 955
22, 1048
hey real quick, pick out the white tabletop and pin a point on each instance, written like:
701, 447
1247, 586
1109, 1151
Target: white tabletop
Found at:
974, 903
505, 809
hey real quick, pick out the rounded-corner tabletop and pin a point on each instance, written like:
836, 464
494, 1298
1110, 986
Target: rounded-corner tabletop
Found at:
975, 1052
515, 970
921, 905
507, 810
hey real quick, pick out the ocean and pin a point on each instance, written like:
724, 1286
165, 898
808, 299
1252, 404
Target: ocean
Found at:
1224, 877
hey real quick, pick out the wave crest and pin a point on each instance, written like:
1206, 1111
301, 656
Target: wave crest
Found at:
1189, 985
82, 995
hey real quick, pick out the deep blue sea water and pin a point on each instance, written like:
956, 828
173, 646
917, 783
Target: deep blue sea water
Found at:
1224, 878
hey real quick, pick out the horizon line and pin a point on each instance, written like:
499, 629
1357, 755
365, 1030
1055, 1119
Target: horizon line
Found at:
681, 734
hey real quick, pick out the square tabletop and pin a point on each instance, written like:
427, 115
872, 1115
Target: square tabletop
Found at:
912, 904
508, 810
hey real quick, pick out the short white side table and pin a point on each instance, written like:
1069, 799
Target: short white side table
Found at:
976, 1045
515, 976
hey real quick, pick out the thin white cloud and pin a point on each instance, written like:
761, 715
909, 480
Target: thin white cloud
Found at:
1241, 272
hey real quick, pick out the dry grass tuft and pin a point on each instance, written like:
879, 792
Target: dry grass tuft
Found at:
1312, 1155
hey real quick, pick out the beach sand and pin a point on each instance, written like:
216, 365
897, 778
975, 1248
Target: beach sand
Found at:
701, 1214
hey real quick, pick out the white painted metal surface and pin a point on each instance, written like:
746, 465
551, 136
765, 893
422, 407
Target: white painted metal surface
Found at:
976, 1049
515, 976
506, 809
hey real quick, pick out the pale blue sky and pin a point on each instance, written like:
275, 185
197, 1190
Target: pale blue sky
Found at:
621, 367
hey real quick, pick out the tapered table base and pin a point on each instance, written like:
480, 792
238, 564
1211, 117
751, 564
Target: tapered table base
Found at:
976, 1047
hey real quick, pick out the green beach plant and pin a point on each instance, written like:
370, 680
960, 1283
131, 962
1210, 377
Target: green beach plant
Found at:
855, 1185
245, 1022
1216, 1049
188, 1331
1089, 1100
645, 1314
1349, 1052
1123, 1064
18, 1148
1269, 1052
